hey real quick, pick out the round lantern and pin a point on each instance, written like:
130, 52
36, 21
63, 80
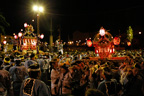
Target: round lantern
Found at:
25, 24
15, 36
4, 42
102, 31
20, 34
129, 43
89, 43
116, 41
42, 36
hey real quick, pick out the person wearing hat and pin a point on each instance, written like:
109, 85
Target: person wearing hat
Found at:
33, 86
6, 64
64, 84
18, 74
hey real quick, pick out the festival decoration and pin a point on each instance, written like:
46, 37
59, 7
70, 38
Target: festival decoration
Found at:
89, 43
116, 40
103, 43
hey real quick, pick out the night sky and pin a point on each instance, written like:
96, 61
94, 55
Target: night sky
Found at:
75, 15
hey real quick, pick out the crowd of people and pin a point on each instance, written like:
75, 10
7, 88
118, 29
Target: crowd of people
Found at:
71, 74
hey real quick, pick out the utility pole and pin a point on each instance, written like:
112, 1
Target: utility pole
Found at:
51, 36
38, 24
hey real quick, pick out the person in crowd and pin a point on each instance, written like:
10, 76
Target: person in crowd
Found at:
6, 88
33, 86
55, 75
135, 84
31, 61
64, 84
108, 86
94, 92
18, 74
6, 64
22, 59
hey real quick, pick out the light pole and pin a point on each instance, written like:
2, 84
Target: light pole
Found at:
38, 9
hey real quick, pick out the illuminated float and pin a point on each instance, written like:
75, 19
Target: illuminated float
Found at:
104, 46
29, 40
103, 43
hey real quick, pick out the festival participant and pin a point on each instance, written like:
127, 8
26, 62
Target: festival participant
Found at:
18, 74
31, 61
135, 84
54, 78
33, 86
6, 88
64, 84
108, 86
6, 64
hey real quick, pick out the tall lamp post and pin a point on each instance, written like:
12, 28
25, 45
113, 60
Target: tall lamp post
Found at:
38, 9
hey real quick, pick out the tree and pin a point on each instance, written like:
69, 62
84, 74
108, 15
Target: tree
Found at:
130, 34
3, 24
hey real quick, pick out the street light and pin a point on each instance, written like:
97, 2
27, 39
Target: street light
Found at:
38, 9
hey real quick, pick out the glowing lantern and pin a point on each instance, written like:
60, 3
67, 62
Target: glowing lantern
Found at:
4, 42
25, 24
24, 44
116, 41
96, 51
129, 43
15, 36
20, 34
102, 32
42, 36
89, 43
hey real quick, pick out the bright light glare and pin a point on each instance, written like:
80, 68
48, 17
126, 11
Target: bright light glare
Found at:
102, 32
41, 9
35, 8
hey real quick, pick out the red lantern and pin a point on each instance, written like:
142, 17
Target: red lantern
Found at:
15, 36
42, 36
20, 34
129, 43
96, 51
116, 41
25, 24
89, 43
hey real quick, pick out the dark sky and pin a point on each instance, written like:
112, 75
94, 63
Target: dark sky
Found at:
76, 15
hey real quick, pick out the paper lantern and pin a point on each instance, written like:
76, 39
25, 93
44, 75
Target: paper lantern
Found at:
89, 43
116, 41
129, 43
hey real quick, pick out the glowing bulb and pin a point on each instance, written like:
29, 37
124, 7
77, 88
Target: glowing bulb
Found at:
102, 32
35, 8
41, 9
